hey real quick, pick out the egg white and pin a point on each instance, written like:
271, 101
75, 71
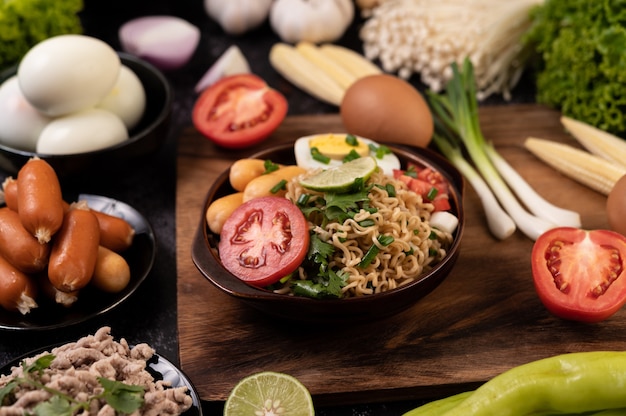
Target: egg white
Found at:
305, 160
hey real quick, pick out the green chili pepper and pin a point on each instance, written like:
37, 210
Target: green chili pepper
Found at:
439, 407
571, 383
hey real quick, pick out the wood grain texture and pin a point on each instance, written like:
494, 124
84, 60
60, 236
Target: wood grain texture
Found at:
484, 319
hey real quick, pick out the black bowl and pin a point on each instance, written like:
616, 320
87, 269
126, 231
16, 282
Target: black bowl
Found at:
144, 140
205, 257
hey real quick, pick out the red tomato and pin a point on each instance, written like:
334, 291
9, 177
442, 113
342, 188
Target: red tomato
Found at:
579, 274
425, 181
239, 111
264, 240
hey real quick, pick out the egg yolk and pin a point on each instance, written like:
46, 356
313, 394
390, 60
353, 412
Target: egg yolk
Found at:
336, 146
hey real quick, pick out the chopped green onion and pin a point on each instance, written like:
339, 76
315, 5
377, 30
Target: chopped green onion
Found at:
279, 186
352, 140
270, 166
373, 251
432, 193
411, 172
379, 151
391, 190
351, 156
367, 223
317, 155
303, 199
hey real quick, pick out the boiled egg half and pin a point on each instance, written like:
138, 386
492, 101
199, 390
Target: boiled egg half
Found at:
321, 151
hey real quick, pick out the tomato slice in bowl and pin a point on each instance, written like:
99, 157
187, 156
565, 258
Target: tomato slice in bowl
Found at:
264, 240
579, 274
239, 111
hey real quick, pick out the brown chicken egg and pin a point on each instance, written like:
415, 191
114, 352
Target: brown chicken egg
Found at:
386, 108
616, 206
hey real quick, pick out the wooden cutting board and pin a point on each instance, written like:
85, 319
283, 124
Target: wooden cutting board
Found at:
484, 319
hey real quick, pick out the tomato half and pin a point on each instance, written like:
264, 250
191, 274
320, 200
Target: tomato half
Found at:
264, 240
579, 274
239, 111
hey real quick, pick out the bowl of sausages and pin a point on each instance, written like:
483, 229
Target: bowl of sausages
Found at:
68, 261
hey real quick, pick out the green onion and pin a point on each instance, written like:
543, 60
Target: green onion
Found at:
303, 199
367, 223
351, 156
270, 166
379, 151
456, 120
317, 155
279, 186
373, 251
432, 193
352, 140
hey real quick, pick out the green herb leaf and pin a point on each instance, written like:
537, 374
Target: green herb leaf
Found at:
55, 406
122, 397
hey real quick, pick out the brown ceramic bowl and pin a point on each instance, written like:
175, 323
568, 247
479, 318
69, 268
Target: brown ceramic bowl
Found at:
144, 140
206, 259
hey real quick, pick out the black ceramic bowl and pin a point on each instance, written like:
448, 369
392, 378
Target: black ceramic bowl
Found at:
144, 140
206, 259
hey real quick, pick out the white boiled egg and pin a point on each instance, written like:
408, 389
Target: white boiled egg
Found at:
83, 131
20, 122
68, 73
336, 147
127, 99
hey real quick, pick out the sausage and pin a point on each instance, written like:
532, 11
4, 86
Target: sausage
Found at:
18, 246
264, 184
39, 199
112, 272
115, 233
9, 187
62, 298
75, 249
220, 209
17, 289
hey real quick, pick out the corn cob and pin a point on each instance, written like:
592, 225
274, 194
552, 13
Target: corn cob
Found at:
597, 141
590, 170
331, 66
351, 60
304, 74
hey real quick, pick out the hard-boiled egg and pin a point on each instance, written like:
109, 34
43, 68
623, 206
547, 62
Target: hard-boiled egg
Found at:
20, 122
83, 131
127, 99
336, 146
68, 73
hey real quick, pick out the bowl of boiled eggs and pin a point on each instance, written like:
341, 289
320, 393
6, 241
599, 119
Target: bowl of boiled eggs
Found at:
82, 106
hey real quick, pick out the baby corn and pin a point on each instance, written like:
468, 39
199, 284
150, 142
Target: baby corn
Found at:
304, 74
331, 66
597, 141
588, 169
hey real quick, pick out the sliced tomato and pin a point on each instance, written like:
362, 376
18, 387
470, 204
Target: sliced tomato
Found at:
264, 240
579, 274
239, 111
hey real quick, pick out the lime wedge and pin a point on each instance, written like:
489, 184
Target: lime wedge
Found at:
268, 393
341, 178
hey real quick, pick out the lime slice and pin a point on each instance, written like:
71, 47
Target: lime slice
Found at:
269, 394
341, 178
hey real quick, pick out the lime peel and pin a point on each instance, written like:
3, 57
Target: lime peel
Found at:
269, 393
341, 178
